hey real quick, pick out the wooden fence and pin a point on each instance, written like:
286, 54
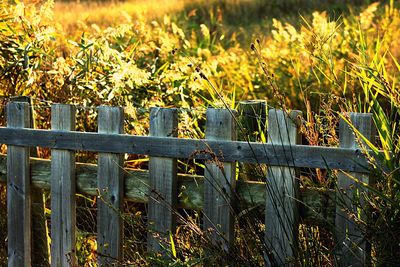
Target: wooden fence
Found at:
215, 193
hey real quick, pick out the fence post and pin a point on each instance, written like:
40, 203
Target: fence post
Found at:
40, 248
352, 248
219, 180
111, 186
63, 186
18, 191
281, 210
163, 181
252, 117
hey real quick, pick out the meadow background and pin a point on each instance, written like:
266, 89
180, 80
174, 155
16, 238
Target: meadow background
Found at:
320, 57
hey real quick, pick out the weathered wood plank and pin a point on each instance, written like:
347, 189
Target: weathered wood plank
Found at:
281, 214
299, 156
319, 204
41, 247
163, 182
352, 248
219, 181
18, 191
111, 187
63, 188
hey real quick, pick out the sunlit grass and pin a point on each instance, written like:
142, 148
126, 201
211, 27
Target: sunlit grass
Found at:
71, 14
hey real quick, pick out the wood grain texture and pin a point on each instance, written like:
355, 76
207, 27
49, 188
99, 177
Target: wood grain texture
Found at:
318, 209
281, 210
219, 181
229, 151
110, 184
40, 232
63, 188
352, 249
163, 182
18, 191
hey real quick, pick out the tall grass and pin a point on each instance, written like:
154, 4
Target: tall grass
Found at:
378, 76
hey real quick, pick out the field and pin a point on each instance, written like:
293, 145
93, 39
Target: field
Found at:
323, 59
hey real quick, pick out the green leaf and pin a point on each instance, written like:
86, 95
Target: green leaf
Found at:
173, 250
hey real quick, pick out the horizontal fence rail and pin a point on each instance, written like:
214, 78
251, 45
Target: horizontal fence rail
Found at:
317, 206
217, 193
346, 159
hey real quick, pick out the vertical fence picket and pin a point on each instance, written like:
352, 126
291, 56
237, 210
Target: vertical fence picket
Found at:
111, 185
63, 187
219, 180
352, 248
18, 191
40, 248
281, 214
163, 181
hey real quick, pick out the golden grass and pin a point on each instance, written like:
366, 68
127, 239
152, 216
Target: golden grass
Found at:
70, 14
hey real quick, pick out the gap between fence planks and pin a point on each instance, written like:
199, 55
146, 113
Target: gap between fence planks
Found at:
252, 128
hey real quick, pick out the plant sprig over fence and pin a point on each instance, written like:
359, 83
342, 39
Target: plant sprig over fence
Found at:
164, 190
